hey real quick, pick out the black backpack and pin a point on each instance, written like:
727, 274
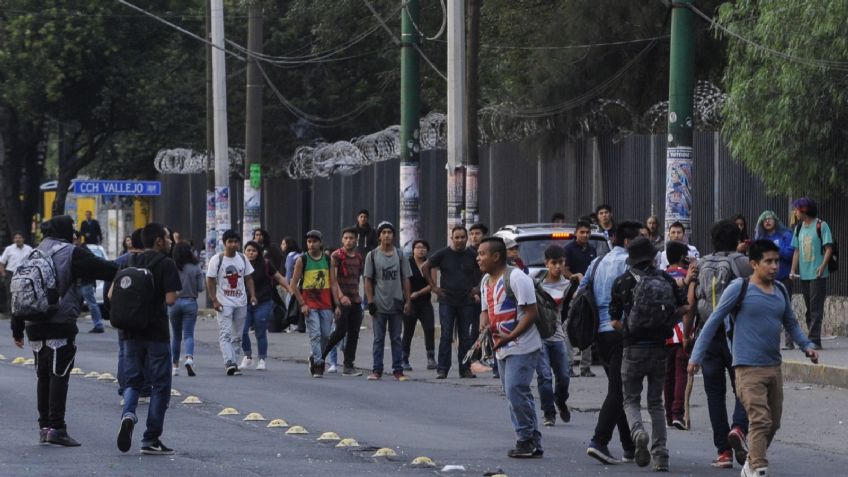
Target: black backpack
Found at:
583, 319
652, 308
547, 318
133, 296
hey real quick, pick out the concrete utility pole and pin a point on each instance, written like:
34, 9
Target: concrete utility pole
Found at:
253, 127
219, 101
680, 162
456, 112
410, 126
472, 85
211, 237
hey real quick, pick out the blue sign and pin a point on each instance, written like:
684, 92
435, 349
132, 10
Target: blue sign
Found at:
95, 187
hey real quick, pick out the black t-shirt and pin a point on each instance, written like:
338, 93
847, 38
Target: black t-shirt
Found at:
263, 283
460, 274
577, 259
417, 282
166, 279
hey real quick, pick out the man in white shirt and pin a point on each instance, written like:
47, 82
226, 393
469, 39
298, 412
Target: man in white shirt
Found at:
676, 232
11, 259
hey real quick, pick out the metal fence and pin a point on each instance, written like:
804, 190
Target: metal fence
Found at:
524, 182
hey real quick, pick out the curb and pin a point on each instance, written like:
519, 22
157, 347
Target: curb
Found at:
825, 375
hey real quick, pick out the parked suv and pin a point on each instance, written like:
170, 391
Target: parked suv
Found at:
533, 239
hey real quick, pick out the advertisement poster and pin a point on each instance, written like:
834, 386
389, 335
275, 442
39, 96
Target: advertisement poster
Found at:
211, 238
410, 218
252, 209
222, 214
472, 208
678, 186
456, 184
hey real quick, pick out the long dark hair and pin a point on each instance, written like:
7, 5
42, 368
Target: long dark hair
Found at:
182, 254
291, 245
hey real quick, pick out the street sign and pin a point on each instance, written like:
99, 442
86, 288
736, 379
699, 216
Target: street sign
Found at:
96, 187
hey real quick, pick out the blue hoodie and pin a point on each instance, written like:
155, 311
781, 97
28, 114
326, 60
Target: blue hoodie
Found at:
782, 237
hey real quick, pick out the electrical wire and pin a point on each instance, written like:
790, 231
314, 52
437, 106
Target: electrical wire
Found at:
441, 28
572, 47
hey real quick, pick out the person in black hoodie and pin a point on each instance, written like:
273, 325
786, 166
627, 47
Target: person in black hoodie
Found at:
366, 237
52, 339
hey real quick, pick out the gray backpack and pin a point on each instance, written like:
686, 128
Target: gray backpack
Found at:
35, 288
715, 272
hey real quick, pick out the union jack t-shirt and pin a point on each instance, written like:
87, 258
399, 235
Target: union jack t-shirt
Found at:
506, 310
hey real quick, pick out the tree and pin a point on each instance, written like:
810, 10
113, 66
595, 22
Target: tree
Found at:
787, 112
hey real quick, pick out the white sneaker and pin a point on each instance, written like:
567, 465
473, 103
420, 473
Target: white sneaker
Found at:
260, 366
245, 362
144, 400
333, 369
175, 371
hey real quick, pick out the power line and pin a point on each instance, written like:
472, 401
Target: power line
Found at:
572, 47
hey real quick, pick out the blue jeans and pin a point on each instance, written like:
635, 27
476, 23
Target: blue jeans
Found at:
516, 375
87, 292
122, 375
257, 316
395, 325
717, 360
319, 325
553, 364
462, 317
183, 317
154, 359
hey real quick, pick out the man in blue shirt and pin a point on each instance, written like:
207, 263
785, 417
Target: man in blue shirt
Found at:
757, 324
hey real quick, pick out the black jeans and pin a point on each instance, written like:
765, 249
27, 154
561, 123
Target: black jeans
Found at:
53, 368
462, 317
422, 312
814, 292
347, 325
610, 348
717, 360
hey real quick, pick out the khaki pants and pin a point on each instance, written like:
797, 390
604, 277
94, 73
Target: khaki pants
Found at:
760, 390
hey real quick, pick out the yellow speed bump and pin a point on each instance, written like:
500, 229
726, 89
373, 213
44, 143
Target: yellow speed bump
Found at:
228, 411
278, 423
19, 360
423, 461
174, 392
254, 416
77, 372
348, 443
29, 362
192, 400
385, 452
106, 377
297, 430
329, 436
93, 374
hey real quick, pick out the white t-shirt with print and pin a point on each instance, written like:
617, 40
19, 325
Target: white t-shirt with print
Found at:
505, 312
229, 278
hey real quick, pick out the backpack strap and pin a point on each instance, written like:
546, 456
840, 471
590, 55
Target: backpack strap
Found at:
507, 287
737, 304
158, 258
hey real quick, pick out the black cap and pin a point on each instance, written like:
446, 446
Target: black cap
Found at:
640, 250
316, 234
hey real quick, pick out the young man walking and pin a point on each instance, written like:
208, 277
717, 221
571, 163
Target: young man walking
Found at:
457, 292
147, 352
230, 286
644, 305
387, 287
347, 265
679, 345
509, 313
12, 257
578, 255
52, 340
813, 244
756, 321
315, 296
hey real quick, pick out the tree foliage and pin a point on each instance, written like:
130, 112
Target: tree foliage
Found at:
787, 119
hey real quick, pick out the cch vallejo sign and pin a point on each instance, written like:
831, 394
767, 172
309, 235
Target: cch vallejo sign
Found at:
95, 187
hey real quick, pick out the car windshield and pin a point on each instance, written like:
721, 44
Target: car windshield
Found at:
532, 249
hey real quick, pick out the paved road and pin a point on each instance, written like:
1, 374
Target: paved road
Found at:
460, 422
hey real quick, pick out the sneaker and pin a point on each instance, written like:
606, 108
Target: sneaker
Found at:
231, 368
399, 376
318, 371
125, 433
724, 460
260, 366
737, 441
549, 420
441, 374
641, 441
495, 375
351, 371
573, 374
628, 456
333, 369
96, 329
375, 376
157, 448
189, 366
679, 424
144, 400
747, 472
564, 412
431, 363
406, 366
42, 435
60, 437
311, 365
661, 464
789, 346
246, 362
523, 450
175, 371
601, 453
467, 374
586, 373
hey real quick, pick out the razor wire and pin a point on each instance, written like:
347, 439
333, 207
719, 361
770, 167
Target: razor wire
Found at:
190, 161
708, 103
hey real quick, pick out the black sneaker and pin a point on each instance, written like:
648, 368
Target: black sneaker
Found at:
42, 435
586, 373
125, 433
96, 329
641, 441
441, 374
157, 448
523, 450
549, 419
467, 374
311, 366
406, 366
60, 437
231, 368
564, 412
351, 371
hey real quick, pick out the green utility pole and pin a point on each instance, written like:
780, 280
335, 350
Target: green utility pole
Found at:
680, 161
252, 206
410, 126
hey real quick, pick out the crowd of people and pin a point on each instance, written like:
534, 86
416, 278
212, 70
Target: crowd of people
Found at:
659, 307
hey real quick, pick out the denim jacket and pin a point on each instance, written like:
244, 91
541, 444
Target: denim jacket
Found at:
612, 266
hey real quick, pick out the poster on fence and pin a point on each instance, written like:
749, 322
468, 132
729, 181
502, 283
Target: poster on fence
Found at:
410, 215
678, 186
252, 209
222, 214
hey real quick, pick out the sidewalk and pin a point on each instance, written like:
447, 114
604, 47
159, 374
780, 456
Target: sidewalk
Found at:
832, 369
